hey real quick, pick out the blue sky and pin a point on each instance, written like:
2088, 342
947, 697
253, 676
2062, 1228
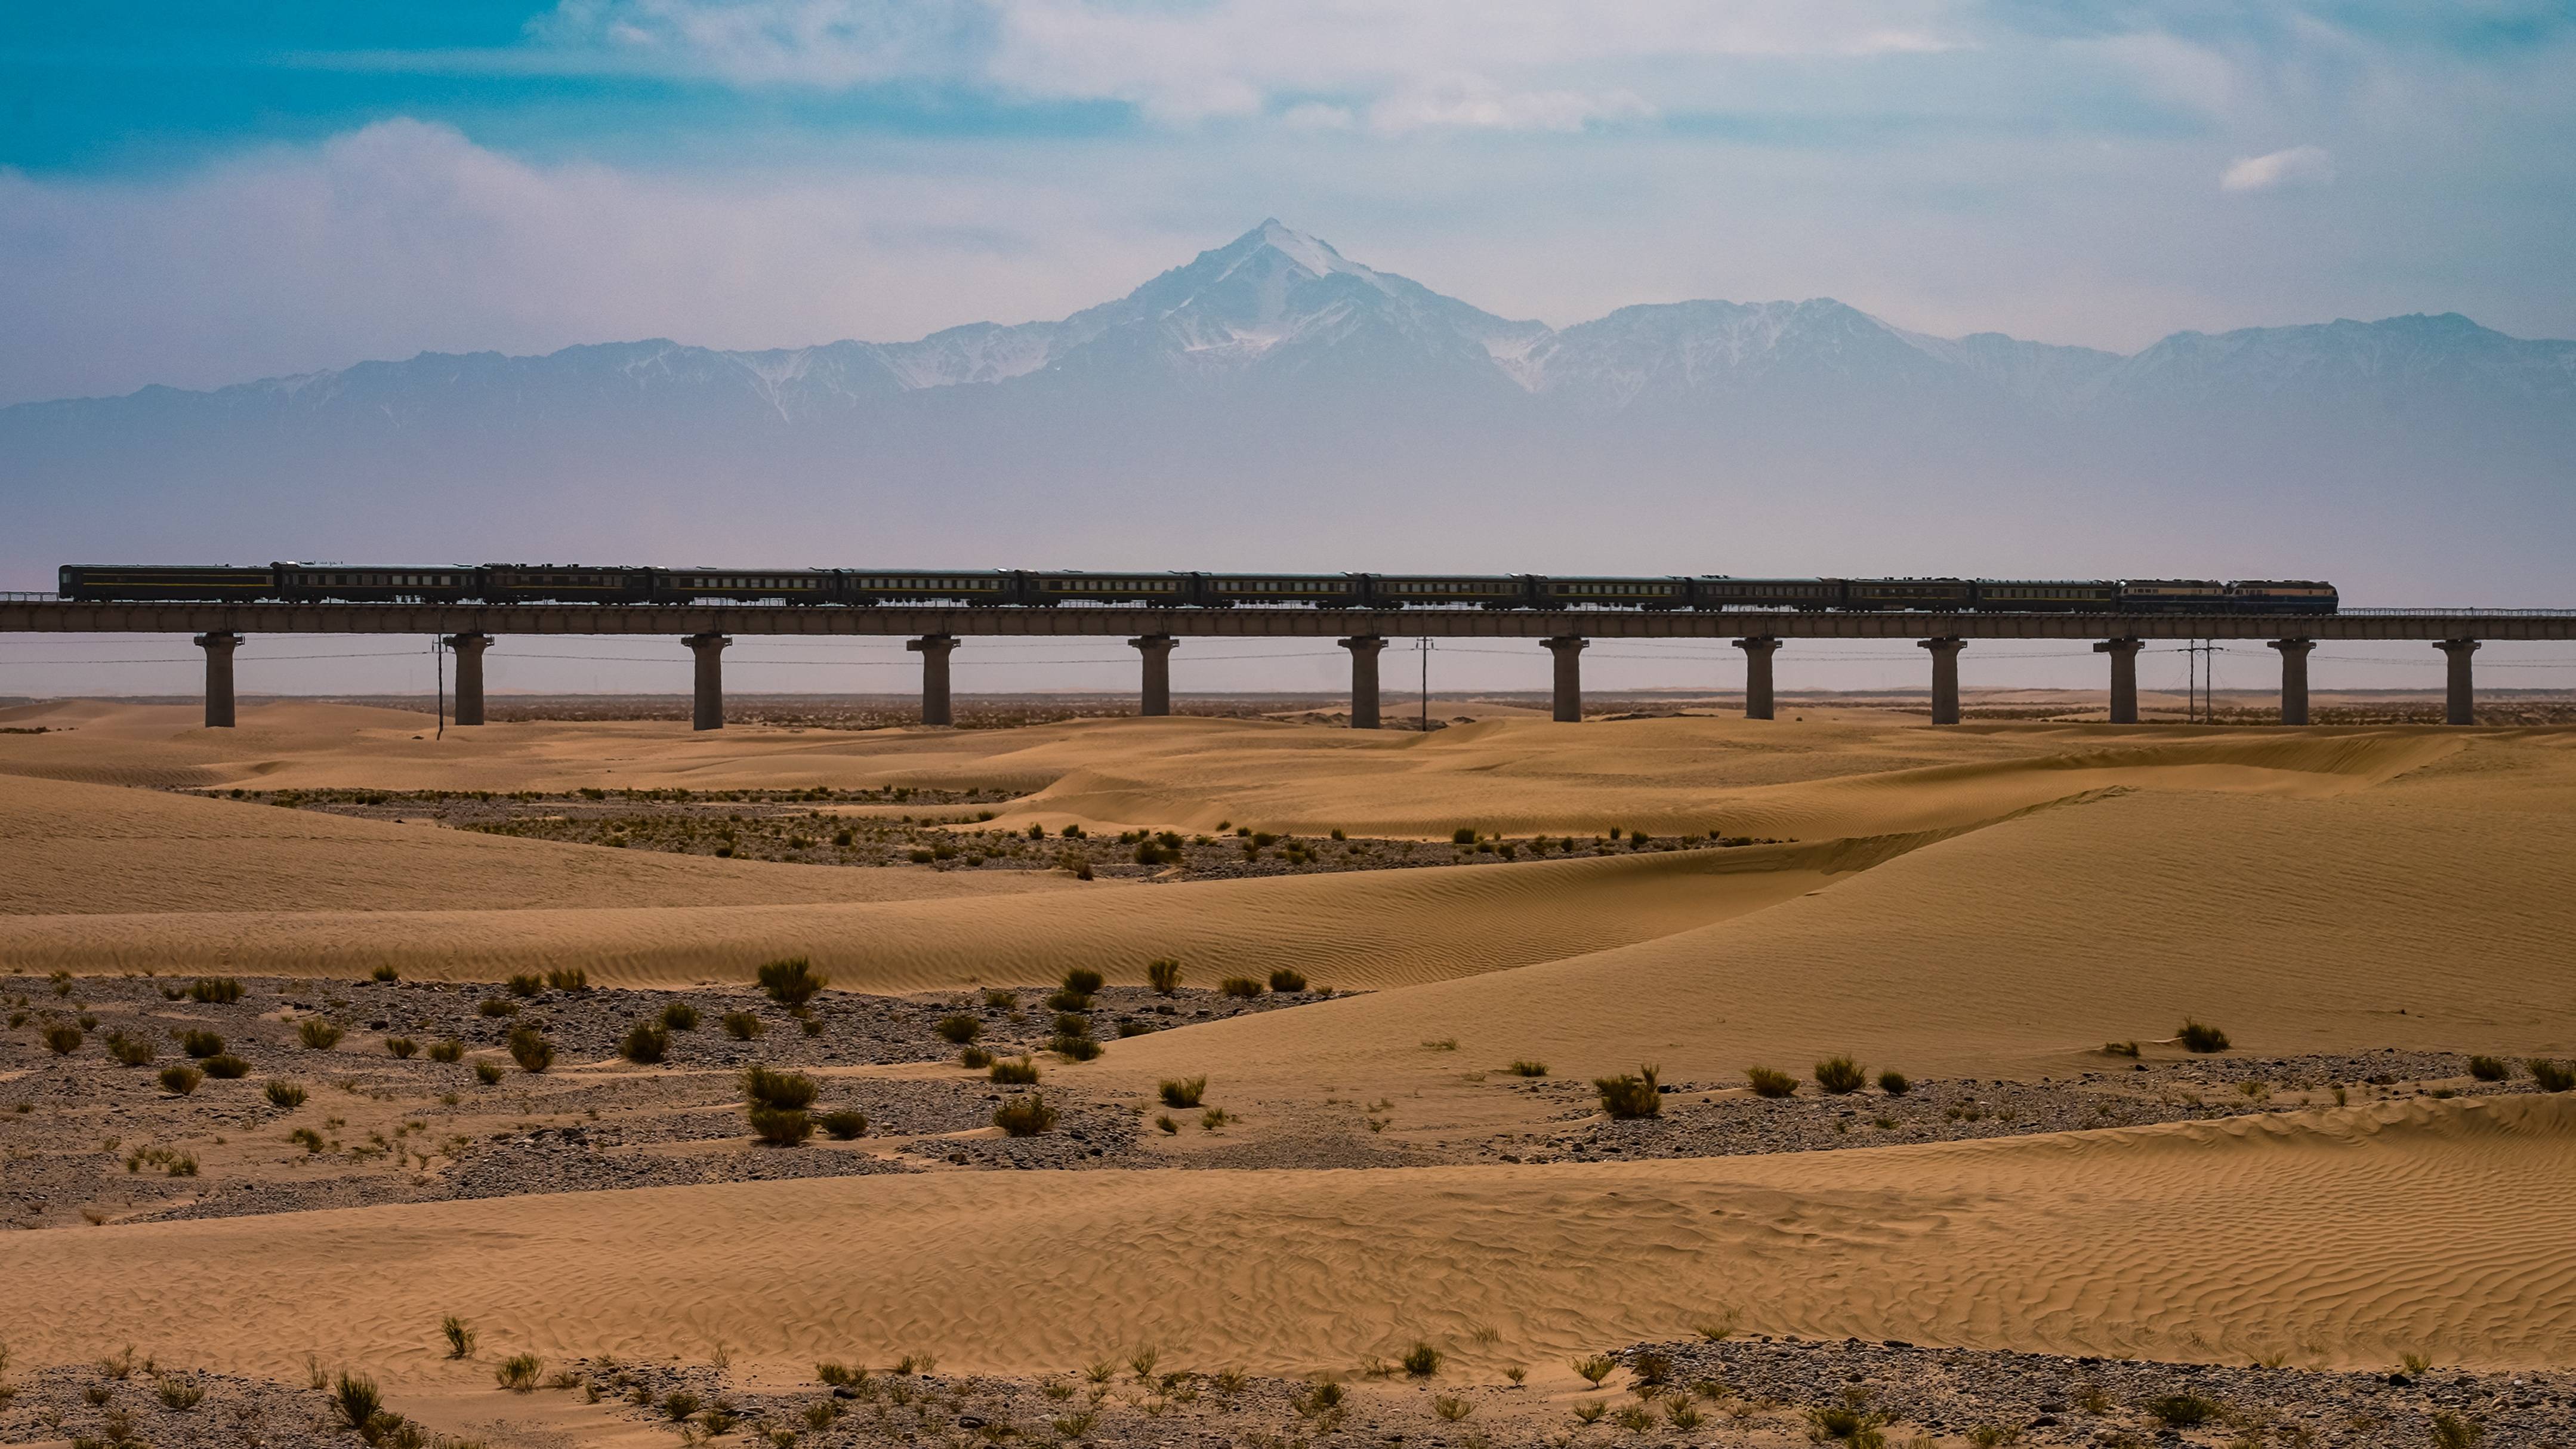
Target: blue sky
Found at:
200, 193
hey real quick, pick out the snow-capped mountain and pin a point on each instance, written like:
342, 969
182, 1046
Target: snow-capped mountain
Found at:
1274, 397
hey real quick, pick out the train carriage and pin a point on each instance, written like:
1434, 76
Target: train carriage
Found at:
794, 586
2047, 596
1399, 591
2173, 596
1717, 591
2282, 596
928, 586
1944, 595
1322, 591
380, 583
1610, 593
1155, 591
129, 583
566, 584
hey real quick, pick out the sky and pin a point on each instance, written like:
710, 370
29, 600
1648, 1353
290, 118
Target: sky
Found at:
199, 193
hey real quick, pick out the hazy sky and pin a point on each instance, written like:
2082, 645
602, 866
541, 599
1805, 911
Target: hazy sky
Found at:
195, 194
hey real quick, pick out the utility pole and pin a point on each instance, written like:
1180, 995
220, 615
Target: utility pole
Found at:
438, 652
1422, 646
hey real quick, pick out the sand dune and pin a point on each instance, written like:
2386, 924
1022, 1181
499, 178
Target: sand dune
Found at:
2339, 1237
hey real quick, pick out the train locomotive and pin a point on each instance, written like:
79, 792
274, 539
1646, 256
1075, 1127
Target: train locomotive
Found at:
590, 584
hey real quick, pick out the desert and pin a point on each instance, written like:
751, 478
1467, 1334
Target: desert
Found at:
1241, 1079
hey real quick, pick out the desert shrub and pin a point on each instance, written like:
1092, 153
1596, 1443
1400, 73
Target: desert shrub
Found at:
679, 1404
1630, 1097
357, 1399
1242, 988
285, 1094
845, 1123
960, 1029
779, 1126
1015, 1072
1449, 1408
1767, 1082
518, 1373
2200, 1036
225, 1067
836, 1374
2490, 1069
447, 1049
645, 1043
2183, 1411
568, 978
718, 1420
385, 973
680, 1016
487, 1073
768, 1087
530, 1049
179, 1393
1594, 1368
179, 1079
62, 1038
1164, 974
791, 980
2450, 1431
1286, 980
1839, 1075
1183, 1091
527, 983
130, 1051
2551, 1076
318, 1033
1065, 998
402, 1047
459, 1335
1421, 1361
1025, 1116
974, 1058
1524, 1067
1850, 1425
1074, 1048
215, 990
1001, 998
1084, 980
201, 1044
1072, 1023
744, 1026
497, 1006
2119, 1048
1894, 1084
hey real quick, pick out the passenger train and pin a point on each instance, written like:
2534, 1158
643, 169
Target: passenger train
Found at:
575, 583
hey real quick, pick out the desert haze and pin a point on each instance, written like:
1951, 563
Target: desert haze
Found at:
1209, 1080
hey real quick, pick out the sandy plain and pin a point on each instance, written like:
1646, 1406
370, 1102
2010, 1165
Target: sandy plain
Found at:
1989, 902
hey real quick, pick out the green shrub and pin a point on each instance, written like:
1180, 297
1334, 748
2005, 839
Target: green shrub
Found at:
518, 1373
1242, 988
530, 1049
974, 1058
459, 1335
2490, 1069
225, 1067
2450, 1431
2183, 1411
215, 990
1850, 1425
1767, 1082
178, 1393
1164, 974
791, 980
130, 1051
62, 1038
488, 1073
2200, 1036
2551, 1076
1894, 1084
1839, 1075
784, 1090
357, 1399
960, 1029
201, 1044
1524, 1067
287, 1095
179, 1080
497, 1006
680, 1016
1067, 999
744, 1026
1628, 1098
1421, 1361
1074, 1048
779, 1126
1001, 998
845, 1123
447, 1049
318, 1033
1084, 980
1072, 1023
1285, 980
386, 973
1183, 1091
402, 1047
1015, 1072
1025, 1116
645, 1043
568, 978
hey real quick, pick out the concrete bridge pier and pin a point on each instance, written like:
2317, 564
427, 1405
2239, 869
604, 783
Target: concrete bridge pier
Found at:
2460, 700
1365, 648
1569, 677
934, 650
707, 712
1757, 675
469, 675
219, 647
2124, 677
2294, 678
1157, 650
1945, 677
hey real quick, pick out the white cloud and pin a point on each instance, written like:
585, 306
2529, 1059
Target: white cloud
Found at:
1475, 103
2297, 166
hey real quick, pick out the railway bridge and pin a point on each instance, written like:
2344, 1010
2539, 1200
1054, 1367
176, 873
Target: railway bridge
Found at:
937, 632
